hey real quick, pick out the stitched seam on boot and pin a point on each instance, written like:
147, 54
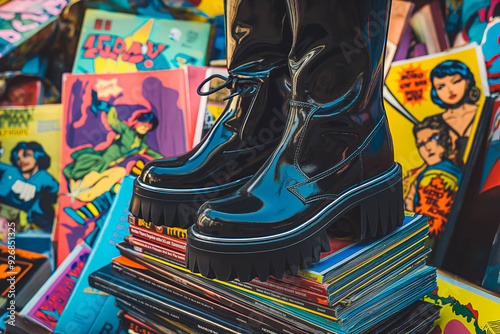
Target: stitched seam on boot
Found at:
338, 166
312, 109
255, 96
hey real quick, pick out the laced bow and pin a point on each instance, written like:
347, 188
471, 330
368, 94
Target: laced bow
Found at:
234, 84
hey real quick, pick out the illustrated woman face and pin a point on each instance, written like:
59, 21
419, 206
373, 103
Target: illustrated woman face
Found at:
26, 161
451, 88
428, 146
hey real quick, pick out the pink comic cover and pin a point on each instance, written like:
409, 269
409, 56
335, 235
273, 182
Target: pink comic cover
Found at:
113, 124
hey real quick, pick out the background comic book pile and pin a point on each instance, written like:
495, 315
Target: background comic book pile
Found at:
91, 91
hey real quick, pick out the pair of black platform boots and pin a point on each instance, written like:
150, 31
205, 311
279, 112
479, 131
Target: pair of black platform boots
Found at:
302, 146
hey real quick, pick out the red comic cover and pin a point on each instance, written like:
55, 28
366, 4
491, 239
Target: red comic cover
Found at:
113, 124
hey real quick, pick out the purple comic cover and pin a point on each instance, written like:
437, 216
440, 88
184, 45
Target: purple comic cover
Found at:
113, 124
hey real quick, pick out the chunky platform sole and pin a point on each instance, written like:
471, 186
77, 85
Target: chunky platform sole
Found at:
175, 207
378, 203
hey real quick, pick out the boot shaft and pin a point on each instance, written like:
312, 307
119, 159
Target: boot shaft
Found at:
258, 35
338, 49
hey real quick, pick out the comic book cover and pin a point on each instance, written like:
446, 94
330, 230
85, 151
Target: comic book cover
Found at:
491, 169
439, 99
47, 305
22, 275
113, 124
85, 305
25, 26
490, 46
465, 308
118, 42
29, 173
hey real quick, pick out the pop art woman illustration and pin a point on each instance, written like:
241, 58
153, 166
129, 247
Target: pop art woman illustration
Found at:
454, 89
26, 184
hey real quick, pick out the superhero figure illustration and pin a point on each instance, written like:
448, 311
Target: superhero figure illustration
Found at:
26, 184
92, 172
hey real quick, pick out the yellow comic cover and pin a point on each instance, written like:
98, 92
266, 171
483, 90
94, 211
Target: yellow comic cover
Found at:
465, 309
29, 169
434, 105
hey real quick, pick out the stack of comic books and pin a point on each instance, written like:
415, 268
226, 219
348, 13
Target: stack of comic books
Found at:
356, 288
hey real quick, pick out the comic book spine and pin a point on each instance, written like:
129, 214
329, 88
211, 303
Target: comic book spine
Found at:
188, 297
292, 290
284, 321
155, 250
157, 321
355, 280
174, 232
379, 253
172, 243
298, 281
292, 300
130, 324
151, 300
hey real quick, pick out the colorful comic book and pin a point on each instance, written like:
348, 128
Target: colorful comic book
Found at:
29, 173
25, 22
465, 308
47, 305
441, 100
86, 304
491, 169
113, 124
118, 42
490, 46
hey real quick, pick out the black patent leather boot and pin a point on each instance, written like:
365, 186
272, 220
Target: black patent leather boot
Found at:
336, 156
170, 191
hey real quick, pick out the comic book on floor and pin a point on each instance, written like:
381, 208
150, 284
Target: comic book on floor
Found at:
113, 124
27, 23
30, 167
465, 307
119, 42
47, 305
442, 100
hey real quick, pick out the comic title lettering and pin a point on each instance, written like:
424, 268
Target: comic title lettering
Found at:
16, 118
111, 47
